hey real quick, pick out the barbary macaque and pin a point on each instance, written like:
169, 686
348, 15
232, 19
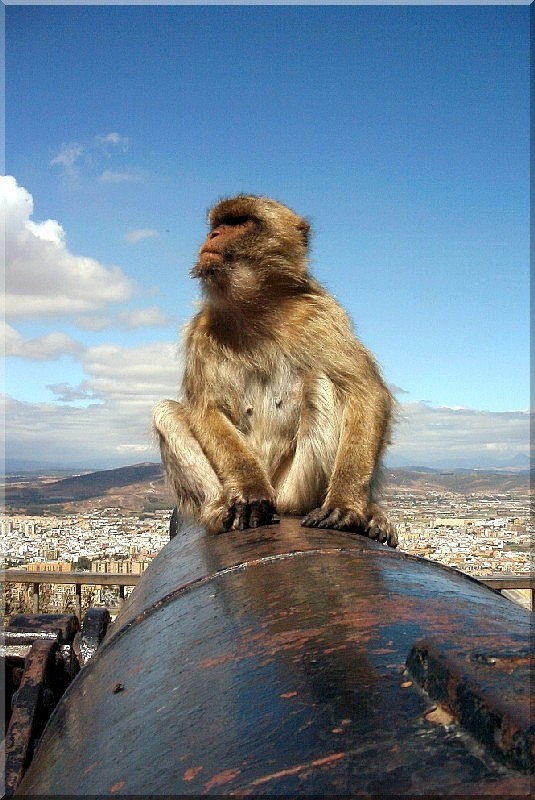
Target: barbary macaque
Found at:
283, 410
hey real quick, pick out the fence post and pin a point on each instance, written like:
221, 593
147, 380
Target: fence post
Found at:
78, 600
35, 599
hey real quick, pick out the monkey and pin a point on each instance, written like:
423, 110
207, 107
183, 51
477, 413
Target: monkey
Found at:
282, 409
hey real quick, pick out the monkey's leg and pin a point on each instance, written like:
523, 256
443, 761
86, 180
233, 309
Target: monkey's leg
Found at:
304, 484
348, 504
246, 499
241, 501
189, 473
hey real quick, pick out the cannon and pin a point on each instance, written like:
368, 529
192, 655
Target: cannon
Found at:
294, 661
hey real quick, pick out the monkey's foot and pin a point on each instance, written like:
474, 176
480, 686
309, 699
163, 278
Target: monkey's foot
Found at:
242, 514
239, 513
380, 528
374, 524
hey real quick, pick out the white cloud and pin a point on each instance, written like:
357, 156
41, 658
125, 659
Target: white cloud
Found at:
151, 317
135, 236
91, 155
49, 347
50, 432
111, 140
124, 383
426, 435
68, 156
111, 176
133, 375
42, 276
93, 322
67, 394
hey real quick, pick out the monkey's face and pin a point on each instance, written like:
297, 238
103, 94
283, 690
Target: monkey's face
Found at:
253, 243
218, 261
224, 241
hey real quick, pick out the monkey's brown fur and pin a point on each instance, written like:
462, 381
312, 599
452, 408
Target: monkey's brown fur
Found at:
282, 407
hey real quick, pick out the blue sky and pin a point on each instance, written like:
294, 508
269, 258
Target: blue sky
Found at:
401, 132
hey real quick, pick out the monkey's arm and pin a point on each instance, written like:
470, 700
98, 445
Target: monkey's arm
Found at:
348, 504
364, 428
247, 498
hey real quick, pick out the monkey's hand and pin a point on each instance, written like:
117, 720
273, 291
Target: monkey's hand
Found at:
371, 522
241, 510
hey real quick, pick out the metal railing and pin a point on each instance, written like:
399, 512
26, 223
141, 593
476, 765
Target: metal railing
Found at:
508, 583
78, 579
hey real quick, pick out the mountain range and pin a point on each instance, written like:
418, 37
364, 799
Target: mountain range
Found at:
143, 485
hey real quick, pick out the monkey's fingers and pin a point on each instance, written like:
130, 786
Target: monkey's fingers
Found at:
341, 519
383, 531
241, 521
227, 521
261, 513
335, 519
313, 518
350, 520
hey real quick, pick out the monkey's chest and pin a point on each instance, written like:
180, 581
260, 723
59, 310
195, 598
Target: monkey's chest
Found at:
268, 414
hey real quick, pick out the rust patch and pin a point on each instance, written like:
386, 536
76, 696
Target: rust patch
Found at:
207, 663
226, 776
439, 716
328, 650
483, 703
322, 762
286, 695
191, 773
116, 787
282, 773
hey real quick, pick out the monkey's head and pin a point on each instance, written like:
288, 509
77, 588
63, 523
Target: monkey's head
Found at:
255, 245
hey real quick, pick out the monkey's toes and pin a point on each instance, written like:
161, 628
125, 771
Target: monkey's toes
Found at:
315, 517
242, 514
260, 513
340, 519
383, 531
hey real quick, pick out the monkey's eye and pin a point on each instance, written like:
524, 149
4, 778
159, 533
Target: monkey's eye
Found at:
235, 220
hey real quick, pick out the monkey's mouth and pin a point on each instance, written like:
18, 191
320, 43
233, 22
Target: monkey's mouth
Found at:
208, 269
208, 251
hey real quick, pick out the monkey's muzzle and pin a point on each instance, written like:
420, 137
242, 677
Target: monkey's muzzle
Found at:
209, 265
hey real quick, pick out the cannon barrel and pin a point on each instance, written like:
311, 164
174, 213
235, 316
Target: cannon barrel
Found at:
286, 660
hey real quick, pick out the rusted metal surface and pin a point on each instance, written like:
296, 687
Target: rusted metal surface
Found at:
274, 661
475, 686
41, 686
94, 628
25, 628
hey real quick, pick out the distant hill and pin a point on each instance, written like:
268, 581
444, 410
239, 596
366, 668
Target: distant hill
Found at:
96, 483
143, 485
77, 488
461, 481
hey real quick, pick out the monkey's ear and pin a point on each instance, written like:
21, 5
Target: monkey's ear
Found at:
304, 227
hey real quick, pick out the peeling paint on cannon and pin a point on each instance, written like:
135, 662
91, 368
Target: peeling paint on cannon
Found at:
292, 661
